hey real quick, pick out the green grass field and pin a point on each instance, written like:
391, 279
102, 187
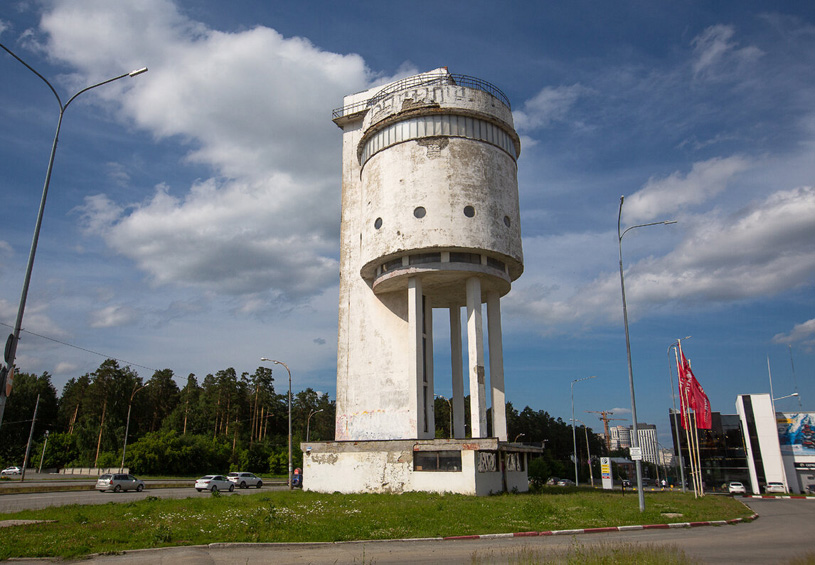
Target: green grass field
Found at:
295, 516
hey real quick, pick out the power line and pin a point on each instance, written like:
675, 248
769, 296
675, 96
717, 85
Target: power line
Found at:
84, 349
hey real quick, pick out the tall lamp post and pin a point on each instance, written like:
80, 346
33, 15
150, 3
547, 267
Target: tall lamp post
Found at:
634, 432
136, 389
308, 421
676, 423
7, 372
289, 372
588, 450
574, 434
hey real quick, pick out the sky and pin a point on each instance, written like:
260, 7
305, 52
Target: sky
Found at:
192, 221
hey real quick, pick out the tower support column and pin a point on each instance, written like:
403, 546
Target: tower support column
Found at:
416, 354
499, 413
475, 355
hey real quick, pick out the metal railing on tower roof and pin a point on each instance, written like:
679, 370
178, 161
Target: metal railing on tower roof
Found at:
423, 80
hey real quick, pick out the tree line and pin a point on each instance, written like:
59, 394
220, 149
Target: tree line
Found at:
224, 422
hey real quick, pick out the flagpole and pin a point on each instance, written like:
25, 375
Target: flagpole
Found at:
676, 423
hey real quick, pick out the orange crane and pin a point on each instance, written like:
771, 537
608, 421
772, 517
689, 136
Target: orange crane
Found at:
604, 416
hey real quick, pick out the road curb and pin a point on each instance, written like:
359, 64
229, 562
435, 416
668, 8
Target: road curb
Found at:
785, 497
606, 529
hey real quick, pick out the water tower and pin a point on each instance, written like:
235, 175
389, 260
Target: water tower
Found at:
430, 224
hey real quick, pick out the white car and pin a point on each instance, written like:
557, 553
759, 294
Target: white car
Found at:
245, 480
774, 487
118, 483
736, 488
214, 483
14, 470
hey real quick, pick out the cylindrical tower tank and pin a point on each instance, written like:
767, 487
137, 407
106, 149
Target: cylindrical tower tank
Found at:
430, 220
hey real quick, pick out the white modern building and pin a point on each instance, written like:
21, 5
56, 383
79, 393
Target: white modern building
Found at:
780, 446
430, 226
620, 437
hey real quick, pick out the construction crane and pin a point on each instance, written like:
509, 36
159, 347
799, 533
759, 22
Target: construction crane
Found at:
604, 416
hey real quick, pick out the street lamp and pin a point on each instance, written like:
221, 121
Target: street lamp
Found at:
308, 421
574, 434
42, 457
676, 423
634, 435
588, 450
7, 372
518, 436
289, 372
136, 389
788, 396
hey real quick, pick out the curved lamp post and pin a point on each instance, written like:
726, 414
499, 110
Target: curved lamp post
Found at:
289, 372
308, 422
574, 434
634, 433
136, 389
11, 343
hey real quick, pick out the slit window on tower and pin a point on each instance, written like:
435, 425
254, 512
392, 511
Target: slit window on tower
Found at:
496, 264
457, 257
424, 258
391, 265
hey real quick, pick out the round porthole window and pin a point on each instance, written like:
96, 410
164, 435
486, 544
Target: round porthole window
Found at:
469, 211
378, 223
419, 212
507, 221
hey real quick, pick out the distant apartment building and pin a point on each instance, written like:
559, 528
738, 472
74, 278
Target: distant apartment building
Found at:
647, 436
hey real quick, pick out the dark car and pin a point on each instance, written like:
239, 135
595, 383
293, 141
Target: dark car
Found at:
626, 483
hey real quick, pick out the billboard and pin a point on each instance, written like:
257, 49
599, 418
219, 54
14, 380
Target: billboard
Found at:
796, 433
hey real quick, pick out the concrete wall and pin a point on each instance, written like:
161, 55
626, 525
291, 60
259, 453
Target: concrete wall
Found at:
387, 467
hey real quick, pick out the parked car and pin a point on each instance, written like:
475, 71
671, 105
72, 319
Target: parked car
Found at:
626, 483
118, 483
552, 481
214, 483
565, 483
736, 488
245, 480
774, 487
13, 470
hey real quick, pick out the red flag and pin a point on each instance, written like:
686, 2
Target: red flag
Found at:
704, 418
692, 395
686, 399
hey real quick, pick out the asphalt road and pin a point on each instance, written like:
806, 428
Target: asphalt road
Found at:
784, 531
36, 501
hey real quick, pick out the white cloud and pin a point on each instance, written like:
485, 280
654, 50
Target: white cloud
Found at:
673, 193
803, 334
716, 55
254, 107
551, 104
112, 316
759, 251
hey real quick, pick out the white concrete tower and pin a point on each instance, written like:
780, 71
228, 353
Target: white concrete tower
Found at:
430, 220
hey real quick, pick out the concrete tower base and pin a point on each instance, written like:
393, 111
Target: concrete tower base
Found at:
461, 466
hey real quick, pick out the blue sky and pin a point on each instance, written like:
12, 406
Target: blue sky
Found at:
193, 218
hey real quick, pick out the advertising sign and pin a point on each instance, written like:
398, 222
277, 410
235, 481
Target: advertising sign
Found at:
796, 433
605, 470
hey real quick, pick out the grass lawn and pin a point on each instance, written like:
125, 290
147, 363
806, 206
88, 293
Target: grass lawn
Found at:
296, 516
